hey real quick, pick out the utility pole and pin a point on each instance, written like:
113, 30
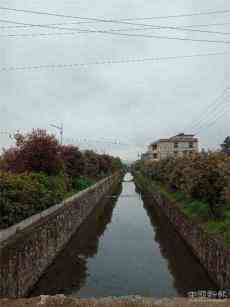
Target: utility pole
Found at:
61, 131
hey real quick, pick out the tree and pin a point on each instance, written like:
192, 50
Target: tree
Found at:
73, 159
105, 164
226, 146
116, 164
10, 161
34, 152
92, 163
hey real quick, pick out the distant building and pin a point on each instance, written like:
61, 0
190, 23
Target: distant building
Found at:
146, 156
177, 146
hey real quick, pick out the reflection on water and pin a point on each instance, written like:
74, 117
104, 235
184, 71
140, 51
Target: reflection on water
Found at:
188, 274
69, 271
125, 247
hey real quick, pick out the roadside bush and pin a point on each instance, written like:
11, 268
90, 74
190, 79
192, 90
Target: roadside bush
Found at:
226, 193
38, 172
204, 177
82, 183
23, 195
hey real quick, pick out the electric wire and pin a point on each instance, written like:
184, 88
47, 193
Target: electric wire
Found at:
126, 34
212, 116
216, 12
108, 62
214, 121
214, 105
113, 21
110, 30
86, 22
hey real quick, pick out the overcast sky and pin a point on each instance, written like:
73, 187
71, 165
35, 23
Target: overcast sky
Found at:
134, 103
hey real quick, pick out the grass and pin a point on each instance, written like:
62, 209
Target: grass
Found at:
197, 211
80, 184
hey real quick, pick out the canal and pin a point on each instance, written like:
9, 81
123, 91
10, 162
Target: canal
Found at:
126, 247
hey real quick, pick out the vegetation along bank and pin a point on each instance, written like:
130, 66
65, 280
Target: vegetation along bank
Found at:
38, 172
194, 192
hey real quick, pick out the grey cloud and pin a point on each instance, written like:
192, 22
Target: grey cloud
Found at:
135, 103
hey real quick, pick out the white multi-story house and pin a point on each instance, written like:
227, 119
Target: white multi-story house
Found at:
178, 145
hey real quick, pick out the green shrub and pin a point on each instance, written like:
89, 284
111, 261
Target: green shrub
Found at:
82, 183
204, 177
27, 194
198, 210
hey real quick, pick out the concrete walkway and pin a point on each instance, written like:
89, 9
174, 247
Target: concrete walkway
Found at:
62, 301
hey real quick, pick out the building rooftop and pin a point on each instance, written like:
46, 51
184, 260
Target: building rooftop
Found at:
160, 141
182, 137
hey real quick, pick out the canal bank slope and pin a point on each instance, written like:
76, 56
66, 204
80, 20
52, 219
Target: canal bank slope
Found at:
134, 301
211, 252
28, 248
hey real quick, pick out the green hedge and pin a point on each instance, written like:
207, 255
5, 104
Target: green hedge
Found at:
27, 194
197, 211
23, 195
204, 177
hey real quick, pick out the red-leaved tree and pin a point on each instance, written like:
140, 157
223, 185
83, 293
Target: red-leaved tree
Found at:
34, 152
73, 159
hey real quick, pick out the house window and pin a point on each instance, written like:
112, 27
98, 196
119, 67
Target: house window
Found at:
154, 156
175, 145
190, 145
154, 146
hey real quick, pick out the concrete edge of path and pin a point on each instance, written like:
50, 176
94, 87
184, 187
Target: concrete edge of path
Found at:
138, 301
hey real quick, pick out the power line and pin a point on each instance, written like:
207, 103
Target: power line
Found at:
209, 109
79, 140
207, 25
111, 20
109, 30
211, 116
182, 15
91, 141
146, 27
124, 34
49, 24
87, 22
215, 120
107, 62
116, 21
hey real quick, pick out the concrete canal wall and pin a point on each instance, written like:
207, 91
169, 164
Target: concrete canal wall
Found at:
28, 248
210, 252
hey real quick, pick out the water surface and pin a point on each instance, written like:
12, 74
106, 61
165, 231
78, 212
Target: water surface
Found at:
126, 247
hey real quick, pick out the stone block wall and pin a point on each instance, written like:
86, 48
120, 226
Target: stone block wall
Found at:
211, 253
28, 248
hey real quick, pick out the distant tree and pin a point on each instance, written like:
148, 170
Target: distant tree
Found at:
73, 159
105, 164
11, 161
116, 163
226, 146
34, 152
19, 138
92, 163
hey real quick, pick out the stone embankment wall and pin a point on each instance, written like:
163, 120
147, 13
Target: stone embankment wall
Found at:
211, 253
28, 248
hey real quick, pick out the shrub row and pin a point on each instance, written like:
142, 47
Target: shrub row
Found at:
203, 177
40, 152
38, 172
26, 194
